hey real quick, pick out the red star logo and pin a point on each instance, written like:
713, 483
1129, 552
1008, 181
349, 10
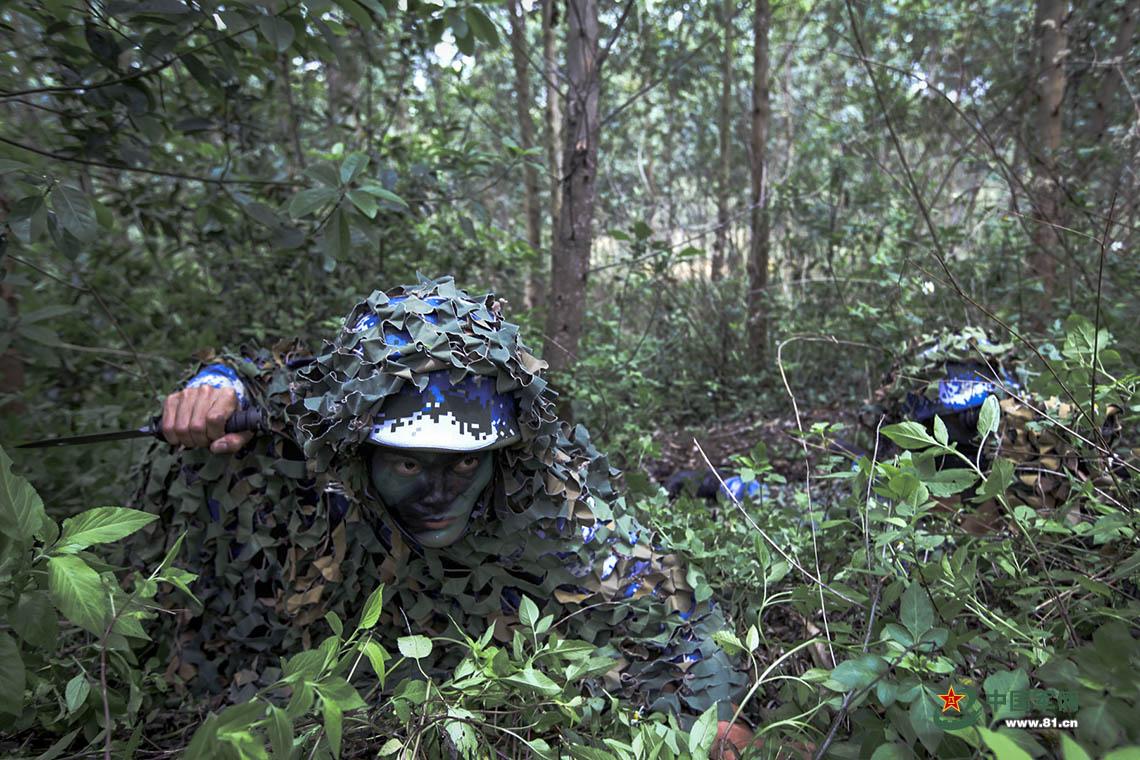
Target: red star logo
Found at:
950, 700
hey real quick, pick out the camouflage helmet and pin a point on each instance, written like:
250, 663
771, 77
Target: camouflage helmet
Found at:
950, 372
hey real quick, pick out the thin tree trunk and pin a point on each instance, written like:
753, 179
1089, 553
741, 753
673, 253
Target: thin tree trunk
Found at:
532, 208
1110, 78
758, 206
294, 120
1050, 90
553, 133
570, 256
720, 245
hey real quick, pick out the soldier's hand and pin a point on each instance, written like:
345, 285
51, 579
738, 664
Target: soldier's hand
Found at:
196, 418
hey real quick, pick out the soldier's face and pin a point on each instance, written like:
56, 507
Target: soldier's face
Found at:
431, 493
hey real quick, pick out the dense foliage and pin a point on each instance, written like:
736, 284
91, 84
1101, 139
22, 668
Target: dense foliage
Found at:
175, 177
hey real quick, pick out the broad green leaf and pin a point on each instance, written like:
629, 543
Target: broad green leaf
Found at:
12, 676
894, 751
909, 435
950, 481
372, 609
383, 193
990, 416
915, 610
923, 716
341, 692
1124, 753
365, 202
336, 239
35, 619
277, 32
729, 642
335, 623
390, 747
528, 612
333, 721
860, 672
352, 166
940, 433
998, 686
536, 680
307, 201
280, 730
79, 593
75, 212
1070, 750
703, 733
481, 26
414, 647
76, 692
21, 509
1001, 475
7, 165
752, 638
100, 525
1003, 747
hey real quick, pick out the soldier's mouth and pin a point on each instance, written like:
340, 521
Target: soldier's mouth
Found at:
437, 524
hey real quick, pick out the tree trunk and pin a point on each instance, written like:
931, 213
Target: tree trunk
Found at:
553, 134
1110, 78
758, 205
720, 245
532, 209
570, 256
1050, 92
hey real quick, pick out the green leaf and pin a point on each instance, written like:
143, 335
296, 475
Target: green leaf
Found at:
860, 672
998, 686
277, 32
916, 612
481, 26
893, 751
333, 724
79, 593
950, 481
909, 435
365, 202
390, 747
280, 730
752, 638
1003, 747
340, 691
35, 619
21, 509
1070, 750
383, 193
336, 240
528, 612
990, 416
75, 212
7, 165
377, 657
76, 692
414, 647
940, 433
923, 716
703, 733
534, 679
307, 201
1001, 475
729, 642
335, 623
13, 679
352, 166
100, 525
372, 609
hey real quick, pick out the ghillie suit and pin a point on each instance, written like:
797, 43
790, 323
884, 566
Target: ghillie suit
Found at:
951, 375
291, 528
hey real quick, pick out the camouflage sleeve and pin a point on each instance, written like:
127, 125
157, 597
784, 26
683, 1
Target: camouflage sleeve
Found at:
638, 602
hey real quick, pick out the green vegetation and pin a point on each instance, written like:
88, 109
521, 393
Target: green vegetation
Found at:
177, 177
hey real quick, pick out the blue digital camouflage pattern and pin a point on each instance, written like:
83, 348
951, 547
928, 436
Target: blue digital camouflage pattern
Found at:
220, 376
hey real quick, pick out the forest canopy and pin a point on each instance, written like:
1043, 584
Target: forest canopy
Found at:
753, 241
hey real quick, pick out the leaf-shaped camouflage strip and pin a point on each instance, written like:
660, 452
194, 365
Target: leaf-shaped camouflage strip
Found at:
289, 529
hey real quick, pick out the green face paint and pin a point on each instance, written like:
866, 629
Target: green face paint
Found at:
430, 493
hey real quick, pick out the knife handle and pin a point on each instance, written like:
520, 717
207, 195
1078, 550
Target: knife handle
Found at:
241, 421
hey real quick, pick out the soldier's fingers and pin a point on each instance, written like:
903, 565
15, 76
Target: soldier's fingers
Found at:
230, 443
169, 415
191, 422
203, 400
223, 403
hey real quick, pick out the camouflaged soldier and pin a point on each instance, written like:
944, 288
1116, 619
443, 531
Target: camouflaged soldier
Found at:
951, 375
420, 449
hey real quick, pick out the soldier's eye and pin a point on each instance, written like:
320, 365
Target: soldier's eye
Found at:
467, 465
408, 467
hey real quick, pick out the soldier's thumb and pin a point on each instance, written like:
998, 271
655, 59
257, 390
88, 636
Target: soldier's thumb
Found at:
230, 442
